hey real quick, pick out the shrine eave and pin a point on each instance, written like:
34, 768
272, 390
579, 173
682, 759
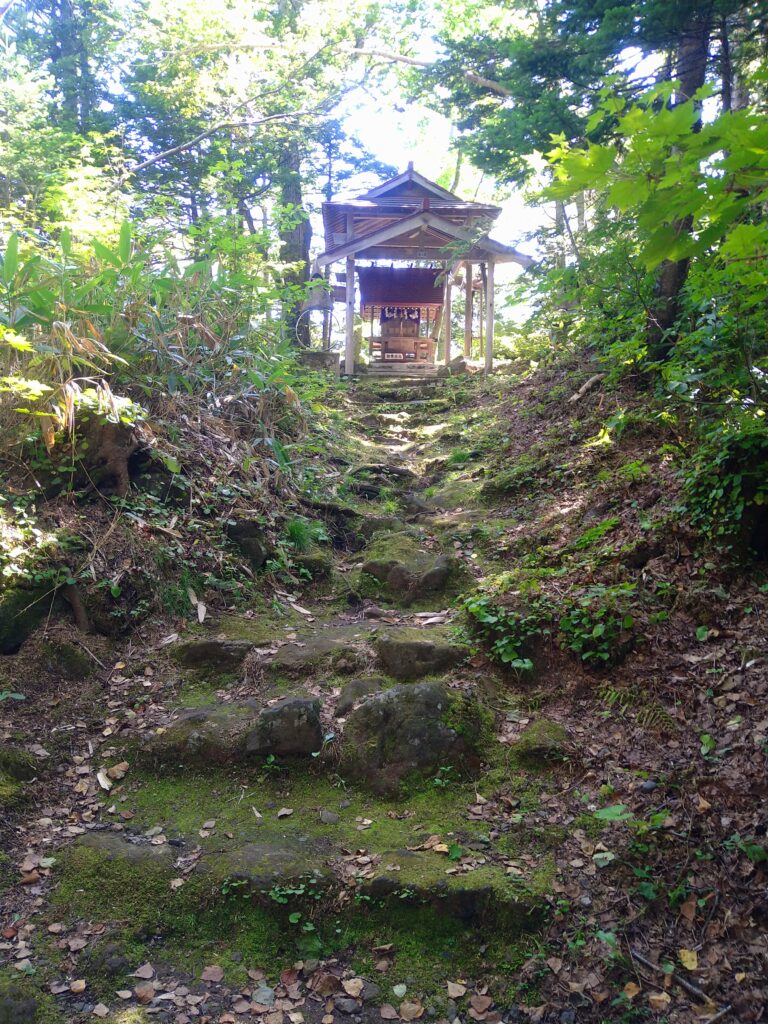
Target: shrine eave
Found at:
425, 236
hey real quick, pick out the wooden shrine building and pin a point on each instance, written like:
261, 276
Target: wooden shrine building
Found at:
416, 238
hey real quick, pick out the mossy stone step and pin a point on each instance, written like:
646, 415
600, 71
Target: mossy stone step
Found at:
399, 735
221, 655
312, 651
282, 873
406, 569
408, 653
484, 895
237, 732
454, 494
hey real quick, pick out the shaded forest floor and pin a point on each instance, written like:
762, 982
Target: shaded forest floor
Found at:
350, 796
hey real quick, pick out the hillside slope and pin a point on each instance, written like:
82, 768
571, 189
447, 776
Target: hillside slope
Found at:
490, 743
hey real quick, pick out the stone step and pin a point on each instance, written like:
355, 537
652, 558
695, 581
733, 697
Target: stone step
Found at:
288, 870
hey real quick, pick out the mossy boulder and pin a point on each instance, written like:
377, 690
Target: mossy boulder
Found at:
21, 610
317, 563
368, 526
406, 568
66, 661
232, 733
408, 731
289, 728
354, 690
216, 655
251, 540
19, 1001
16, 763
541, 742
413, 653
16, 768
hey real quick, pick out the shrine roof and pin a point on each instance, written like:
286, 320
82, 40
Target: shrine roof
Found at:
410, 217
403, 195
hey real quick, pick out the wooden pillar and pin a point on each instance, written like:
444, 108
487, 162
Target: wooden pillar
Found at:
489, 320
468, 310
481, 310
447, 317
349, 349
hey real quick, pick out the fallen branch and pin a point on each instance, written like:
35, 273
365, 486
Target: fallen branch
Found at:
683, 983
585, 388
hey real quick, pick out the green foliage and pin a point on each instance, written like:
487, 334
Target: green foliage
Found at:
526, 473
508, 630
302, 534
595, 533
597, 624
725, 479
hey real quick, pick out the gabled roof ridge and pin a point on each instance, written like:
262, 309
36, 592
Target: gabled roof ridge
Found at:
410, 175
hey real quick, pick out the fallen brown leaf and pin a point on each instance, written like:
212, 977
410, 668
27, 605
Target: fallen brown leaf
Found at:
411, 1011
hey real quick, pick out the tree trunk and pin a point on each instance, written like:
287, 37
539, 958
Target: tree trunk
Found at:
296, 241
726, 67
692, 54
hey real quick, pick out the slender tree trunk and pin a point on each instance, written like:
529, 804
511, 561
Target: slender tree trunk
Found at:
726, 67
581, 212
296, 240
560, 234
244, 211
692, 54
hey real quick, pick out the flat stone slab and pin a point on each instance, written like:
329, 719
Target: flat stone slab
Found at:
262, 865
409, 654
311, 651
119, 847
220, 655
232, 733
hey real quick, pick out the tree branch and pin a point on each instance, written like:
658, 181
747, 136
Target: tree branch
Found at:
398, 58
401, 58
212, 131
